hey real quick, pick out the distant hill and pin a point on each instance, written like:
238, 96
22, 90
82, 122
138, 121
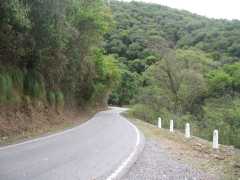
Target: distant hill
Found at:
178, 65
138, 22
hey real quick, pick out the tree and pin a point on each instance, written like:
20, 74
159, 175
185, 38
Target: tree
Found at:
51, 46
126, 89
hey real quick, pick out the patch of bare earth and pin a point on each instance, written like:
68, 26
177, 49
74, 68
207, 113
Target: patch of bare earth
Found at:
22, 122
195, 152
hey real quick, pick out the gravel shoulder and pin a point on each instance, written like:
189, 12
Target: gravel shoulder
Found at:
156, 163
169, 156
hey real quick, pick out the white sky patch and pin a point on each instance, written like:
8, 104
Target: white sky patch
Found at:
220, 9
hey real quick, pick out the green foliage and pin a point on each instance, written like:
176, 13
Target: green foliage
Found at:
167, 62
234, 71
151, 60
51, 98
192, 88
50, 45
195, 59
59, 99
178, 84
219, 81
177, 66
226, 109
138, 23
18, 79
99, 91
11, 85
109, 75
34, 85
137, 65
15, 12
124, 92
111, 71
6, 88
55, 99
144, 112
225, 79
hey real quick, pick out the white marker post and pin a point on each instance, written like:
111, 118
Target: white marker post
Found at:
215, 139
159, 122
187, 130
171, 125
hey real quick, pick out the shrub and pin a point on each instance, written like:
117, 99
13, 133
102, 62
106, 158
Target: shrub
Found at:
18, 79
99, 90
51, 98
34, 85
145, 113
5, 88
59, 99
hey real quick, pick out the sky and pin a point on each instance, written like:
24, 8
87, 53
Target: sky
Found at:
220, 9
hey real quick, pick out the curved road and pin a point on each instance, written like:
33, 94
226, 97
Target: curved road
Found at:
98, 149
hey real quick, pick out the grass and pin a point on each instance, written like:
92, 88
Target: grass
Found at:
224, 163
34, 85
59, 99
51, 98
5, 87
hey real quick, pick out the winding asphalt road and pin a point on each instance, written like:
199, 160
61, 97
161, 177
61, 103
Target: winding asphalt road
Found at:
98, 149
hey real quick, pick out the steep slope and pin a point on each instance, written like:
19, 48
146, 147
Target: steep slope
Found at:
51, 60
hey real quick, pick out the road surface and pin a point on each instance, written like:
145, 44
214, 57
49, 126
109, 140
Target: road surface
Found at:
98, 149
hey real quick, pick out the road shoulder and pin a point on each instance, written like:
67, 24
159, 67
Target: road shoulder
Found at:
123, 168
194, 154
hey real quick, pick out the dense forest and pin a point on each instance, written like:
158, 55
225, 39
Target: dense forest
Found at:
51, 55
177, 65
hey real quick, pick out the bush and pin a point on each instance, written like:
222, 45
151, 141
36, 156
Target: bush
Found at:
34, 85
5, 88
222, 114
18, 79
99, 90
182, 120
145, 113
59, 99
51, 98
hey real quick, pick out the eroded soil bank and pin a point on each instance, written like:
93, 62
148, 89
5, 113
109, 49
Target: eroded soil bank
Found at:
26, 121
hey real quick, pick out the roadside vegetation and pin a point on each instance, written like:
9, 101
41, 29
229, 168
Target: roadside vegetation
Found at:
179, 66
51, 59
70, 54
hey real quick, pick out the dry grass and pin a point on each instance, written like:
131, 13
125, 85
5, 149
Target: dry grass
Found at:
224, 163
24, 127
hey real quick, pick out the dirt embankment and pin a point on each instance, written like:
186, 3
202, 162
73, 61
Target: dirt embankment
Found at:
26, 121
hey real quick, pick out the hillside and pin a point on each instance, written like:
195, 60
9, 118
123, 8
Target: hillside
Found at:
57, 57
178, 65
61, 61
51, 62
140, 23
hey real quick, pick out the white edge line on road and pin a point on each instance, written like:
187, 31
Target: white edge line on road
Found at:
45, 137
115, 174
42, 138
48, 136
